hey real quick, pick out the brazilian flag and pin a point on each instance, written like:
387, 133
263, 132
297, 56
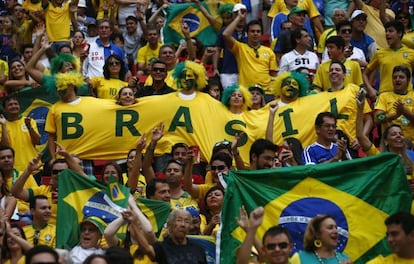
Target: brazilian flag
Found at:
196, 21
79, 197
360, 194
35, 103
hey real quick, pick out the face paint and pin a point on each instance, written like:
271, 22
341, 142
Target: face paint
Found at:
188, 81
290, 88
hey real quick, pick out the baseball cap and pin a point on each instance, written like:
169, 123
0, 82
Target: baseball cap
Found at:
356, 13
82, 3
257, 88
238, 7
297, 10
96, 221
91, 22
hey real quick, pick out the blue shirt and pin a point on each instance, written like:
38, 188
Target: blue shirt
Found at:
317, 153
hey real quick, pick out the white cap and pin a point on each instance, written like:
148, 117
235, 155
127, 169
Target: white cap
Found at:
238, 7
357, 13
82, 3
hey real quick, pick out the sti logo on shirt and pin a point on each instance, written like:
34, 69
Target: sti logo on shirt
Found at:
301, 61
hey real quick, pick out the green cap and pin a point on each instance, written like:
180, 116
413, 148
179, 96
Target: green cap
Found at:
96, 221
297, 10
257, 88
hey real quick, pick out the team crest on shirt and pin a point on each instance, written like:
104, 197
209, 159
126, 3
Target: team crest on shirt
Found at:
48, 238
408, 101
405, 55
265, 55
348, 71
404, 121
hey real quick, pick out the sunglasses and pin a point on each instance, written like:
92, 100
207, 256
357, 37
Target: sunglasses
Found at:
157, 69
114, 63
219, 167
344, 31
402, 17
56, 171
272, 246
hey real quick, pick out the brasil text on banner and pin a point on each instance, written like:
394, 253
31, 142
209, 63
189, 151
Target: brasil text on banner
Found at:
100, 129
360, 194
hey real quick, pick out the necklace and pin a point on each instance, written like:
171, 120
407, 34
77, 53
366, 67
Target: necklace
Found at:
320, 259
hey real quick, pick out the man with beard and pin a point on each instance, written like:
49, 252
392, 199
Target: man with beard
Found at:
40, 232
174, 175
262, 154
324, 150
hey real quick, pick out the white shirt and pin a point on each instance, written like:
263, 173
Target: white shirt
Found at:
79, 254
357, 54
293, 60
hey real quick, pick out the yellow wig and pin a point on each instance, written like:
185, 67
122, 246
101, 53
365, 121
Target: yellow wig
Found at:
63, 80
199, 73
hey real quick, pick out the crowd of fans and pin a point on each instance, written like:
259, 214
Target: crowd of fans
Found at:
114, 50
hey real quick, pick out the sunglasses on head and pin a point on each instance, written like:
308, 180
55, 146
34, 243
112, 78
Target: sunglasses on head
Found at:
222, 143
272, 246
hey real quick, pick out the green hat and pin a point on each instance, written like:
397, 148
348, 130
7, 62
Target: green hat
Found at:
297, 10
257, 88
96, 221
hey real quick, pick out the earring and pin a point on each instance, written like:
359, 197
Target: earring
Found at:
317, 243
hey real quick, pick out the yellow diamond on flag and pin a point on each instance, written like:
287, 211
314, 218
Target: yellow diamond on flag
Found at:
194, 19
116, 193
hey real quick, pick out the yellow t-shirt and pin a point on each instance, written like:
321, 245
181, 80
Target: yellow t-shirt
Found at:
386, 59
22, 206
184, 201
375, 28
254, 65
353, 74
107, 89
408, 39
32, 7
20, 141
141, 186
4, 70
385, 103
391, 259
279, 6
22, 260
47, 235
57, 22
25, 30
142, 260
146, 54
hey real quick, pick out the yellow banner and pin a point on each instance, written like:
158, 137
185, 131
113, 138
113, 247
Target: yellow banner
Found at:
100, 129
